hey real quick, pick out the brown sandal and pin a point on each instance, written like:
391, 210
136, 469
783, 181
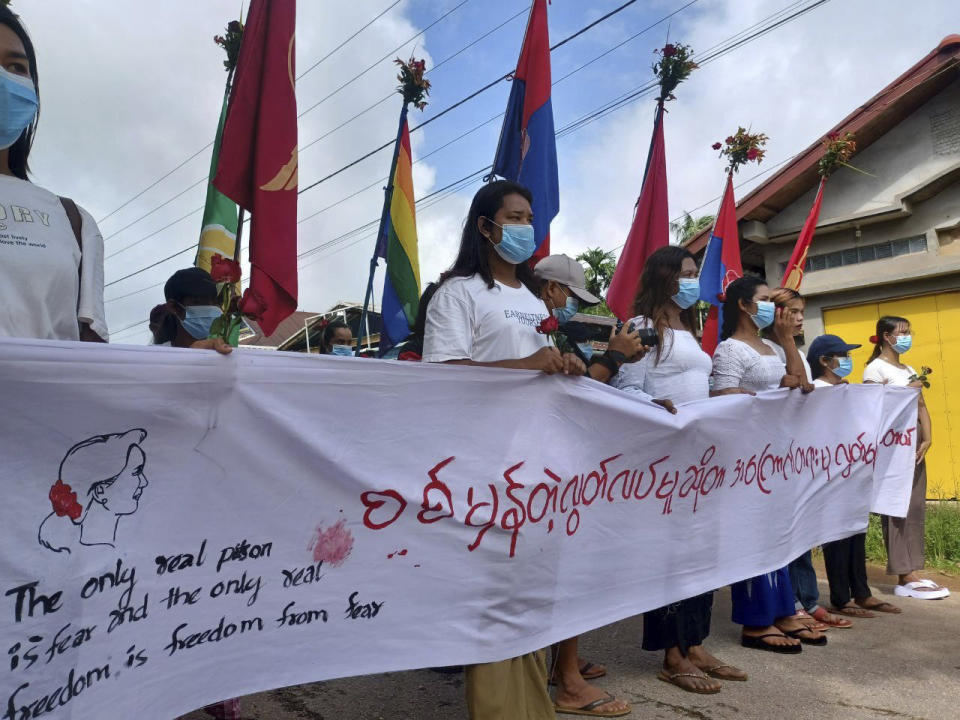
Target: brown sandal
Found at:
853, 611
715, 673
673, 679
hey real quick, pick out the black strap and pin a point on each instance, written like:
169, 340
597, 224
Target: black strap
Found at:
76, 222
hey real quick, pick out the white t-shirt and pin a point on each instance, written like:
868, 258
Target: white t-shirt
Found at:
466, 320
881, 372
682, 374
39, 258
736, 364
782, 354
820, 382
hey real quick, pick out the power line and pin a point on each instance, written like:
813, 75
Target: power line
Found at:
210, 144
385, 57
472, 95
338, 47
309, 144
563, 42
607, 108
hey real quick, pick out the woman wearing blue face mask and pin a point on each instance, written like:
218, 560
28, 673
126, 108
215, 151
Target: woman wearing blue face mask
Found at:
337, 339
51, 252
746, 363
904, 537
677, 370
846, 559
485, 312
192, 306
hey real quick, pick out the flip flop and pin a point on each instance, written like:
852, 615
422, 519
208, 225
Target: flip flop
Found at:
913, 590
883, 607
797, 635
856, 612
755, 642
590, 709
713, 672
673, 680
589, 671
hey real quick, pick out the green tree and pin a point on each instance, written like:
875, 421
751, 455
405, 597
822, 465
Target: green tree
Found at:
689, 227
599, 271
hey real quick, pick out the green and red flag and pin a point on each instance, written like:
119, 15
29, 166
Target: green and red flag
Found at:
257, 166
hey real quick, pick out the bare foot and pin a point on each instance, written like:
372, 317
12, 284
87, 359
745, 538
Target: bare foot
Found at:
780, 640
575, 692
698, 655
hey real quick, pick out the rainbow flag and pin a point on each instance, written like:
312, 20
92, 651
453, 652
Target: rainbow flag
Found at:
398, 246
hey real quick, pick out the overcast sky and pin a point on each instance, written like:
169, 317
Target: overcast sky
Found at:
129, 90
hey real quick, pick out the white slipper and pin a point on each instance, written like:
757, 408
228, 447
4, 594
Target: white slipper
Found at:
912, 590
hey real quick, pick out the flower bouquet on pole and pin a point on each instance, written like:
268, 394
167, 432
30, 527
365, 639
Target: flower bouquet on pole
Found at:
650, 228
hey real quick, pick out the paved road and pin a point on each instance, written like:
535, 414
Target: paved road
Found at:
900, 667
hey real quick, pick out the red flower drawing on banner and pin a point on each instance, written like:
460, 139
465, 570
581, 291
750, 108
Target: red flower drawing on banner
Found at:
64, 501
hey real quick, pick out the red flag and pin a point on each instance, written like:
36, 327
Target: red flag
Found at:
650, 229
794, 274
258, 155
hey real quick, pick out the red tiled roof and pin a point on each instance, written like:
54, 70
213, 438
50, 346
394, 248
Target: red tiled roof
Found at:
869, 122
284, 330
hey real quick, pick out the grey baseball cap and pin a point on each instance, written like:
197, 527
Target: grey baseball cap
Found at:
566, 271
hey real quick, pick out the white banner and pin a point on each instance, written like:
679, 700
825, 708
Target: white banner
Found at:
180, 527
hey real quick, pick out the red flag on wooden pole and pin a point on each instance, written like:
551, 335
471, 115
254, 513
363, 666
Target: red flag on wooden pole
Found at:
794, 274
258, 154
650, 229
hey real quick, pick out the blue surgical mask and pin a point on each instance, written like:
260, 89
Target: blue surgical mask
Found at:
18, 106
198, 319
343, 350
766, 311
586, 349
688, 294
517, 243
903, 343
844, 367
566, 313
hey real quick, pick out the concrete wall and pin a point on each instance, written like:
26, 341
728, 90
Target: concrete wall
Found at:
869, 210
906, 157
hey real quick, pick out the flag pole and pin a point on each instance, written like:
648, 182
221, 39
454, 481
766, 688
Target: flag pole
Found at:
381, 232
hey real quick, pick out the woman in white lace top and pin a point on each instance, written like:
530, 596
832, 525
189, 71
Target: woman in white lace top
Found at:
678, 371
745, 363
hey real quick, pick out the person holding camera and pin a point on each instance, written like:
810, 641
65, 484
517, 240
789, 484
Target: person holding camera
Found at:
678, 371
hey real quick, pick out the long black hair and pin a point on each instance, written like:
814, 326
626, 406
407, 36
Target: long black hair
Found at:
19, 152
740, 289
886, 324
660, 273
472, 258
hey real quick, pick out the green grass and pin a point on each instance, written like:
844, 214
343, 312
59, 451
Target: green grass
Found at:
942, 535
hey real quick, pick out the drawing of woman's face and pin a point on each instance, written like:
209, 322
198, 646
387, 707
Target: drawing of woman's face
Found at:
121, 495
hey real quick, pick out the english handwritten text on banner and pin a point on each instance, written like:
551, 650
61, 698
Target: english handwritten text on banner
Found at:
180, 527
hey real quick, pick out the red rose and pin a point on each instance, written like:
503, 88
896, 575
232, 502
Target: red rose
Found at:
410, 356
717, 146
252, 304
669, 50
834, 136
64, 501
752, 154
729, 140
548, 325
223, 270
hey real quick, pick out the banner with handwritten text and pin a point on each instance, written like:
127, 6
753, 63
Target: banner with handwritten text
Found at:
180, 527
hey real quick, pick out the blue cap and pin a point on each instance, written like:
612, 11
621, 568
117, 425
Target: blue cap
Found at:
827, 345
